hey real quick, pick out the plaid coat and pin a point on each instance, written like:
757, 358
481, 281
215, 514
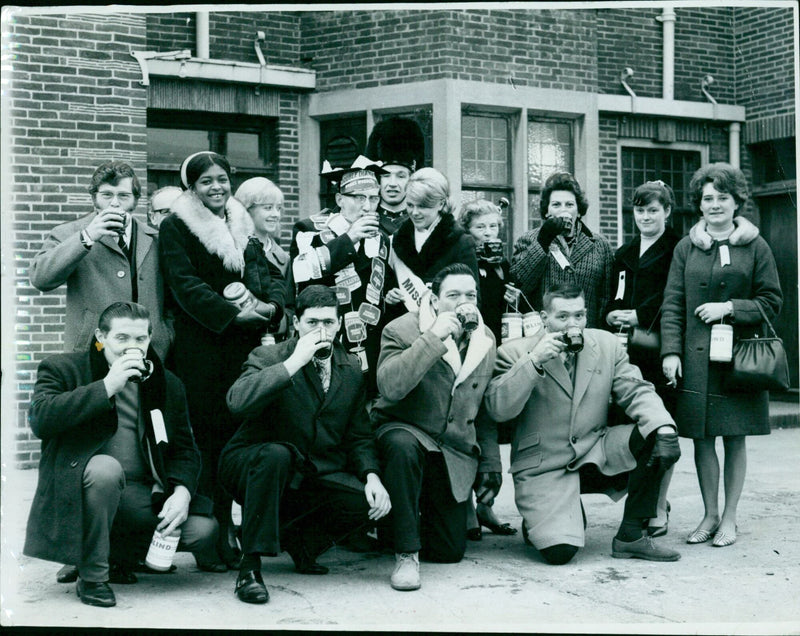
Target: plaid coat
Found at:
591, 260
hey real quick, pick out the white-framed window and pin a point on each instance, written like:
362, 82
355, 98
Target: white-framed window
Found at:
550, 149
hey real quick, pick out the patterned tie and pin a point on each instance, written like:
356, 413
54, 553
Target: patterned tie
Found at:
569, 365
124, 246
324, 374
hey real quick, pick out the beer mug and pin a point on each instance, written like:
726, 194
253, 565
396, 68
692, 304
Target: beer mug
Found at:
573, 338
146, 369
531, 323
325, 352
467, 315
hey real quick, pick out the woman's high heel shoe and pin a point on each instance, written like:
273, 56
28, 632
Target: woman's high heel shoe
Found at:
701, 536
496, 527
660, 531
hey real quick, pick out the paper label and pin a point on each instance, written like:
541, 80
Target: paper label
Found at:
354, 327
326, 236
159, 429
560, 258
338, 224
342, 295
373, 294
372, 246
370, 314
347, 277
724, 255
620, 287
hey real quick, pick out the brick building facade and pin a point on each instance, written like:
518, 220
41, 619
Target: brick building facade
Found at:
504, 97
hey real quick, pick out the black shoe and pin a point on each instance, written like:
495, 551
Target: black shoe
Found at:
217, 567
250, 587
67, 574
475, 534
141, 566
121, 574
304, 561
97, 594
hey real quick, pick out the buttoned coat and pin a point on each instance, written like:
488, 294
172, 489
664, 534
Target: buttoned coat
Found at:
97, 277
590, 260
559, 426
696, 276
73, 416
418, 392
329, 432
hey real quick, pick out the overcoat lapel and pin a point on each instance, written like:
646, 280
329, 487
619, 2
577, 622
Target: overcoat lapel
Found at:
144, 242
312, 377
555, 369
584, 372
336, 377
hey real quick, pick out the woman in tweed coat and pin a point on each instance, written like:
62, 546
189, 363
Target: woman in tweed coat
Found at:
722, 270
564, 251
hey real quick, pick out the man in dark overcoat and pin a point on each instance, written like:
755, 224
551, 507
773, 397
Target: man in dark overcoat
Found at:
118, 458
303, 464
432, 373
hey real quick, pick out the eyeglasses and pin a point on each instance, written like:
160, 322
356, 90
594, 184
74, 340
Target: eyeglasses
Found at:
361, 199
108, 197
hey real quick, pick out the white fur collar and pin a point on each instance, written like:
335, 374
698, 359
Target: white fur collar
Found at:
479, 344
744, 232
226, 238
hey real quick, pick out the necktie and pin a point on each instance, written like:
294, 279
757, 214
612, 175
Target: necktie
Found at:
324, 374
569, 364
124, 246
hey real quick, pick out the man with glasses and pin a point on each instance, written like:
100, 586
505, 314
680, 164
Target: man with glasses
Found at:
104, 257
160, 202
347, 250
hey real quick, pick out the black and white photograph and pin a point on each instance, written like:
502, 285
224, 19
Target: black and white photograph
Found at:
468, 317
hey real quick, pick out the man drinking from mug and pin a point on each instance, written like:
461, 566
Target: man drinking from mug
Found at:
303, 463
432, 371
118, 458
556, 386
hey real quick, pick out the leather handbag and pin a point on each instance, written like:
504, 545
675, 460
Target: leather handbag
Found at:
759, 363
645, 339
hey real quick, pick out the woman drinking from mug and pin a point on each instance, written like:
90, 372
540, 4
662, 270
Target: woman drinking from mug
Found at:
204, 247
563, 251
429, 240
722, 272
639, 277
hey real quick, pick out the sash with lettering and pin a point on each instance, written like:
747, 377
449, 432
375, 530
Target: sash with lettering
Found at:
411, 285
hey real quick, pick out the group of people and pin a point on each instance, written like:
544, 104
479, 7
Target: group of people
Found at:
359, 379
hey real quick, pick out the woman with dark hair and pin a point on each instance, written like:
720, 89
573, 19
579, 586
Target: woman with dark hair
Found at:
429, 240
563, 251
205, 245
640, 275
722, 271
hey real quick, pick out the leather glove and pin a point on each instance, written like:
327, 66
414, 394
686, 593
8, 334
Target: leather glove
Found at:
666, 451
486, 487
551, 228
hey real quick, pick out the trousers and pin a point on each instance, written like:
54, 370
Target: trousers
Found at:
425, 516
119, 520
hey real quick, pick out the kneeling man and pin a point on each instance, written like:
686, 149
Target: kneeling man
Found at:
118, 458
303, 464
557, 385
432, 371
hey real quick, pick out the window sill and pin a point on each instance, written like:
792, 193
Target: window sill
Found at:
190, 68
775, 187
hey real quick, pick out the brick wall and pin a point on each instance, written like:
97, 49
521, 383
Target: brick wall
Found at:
75, 101
231, 35
358, 49
764, 61
607, 172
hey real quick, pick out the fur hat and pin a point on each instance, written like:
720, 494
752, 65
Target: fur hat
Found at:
397, 141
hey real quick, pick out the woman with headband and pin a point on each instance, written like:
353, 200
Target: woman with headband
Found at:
204, 247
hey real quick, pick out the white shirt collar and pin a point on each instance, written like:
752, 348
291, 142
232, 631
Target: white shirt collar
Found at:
420, 236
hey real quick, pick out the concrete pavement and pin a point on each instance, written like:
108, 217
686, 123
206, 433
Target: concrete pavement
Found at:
501, 585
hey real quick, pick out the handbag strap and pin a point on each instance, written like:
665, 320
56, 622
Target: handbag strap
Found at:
766, 320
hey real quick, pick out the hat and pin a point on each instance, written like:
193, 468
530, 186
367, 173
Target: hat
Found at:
397, 141
361, 175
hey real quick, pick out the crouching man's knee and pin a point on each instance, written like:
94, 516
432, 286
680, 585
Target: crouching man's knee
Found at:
559, 554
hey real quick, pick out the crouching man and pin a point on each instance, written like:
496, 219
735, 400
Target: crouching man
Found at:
303, 463
557, 385
432, 371
118, 458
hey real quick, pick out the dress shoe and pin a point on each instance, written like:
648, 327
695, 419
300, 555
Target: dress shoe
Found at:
701, 536
474, 534
644, 548
406, 572
141, 566
660, 531
304, 561
250, 587
97, 594
206, 565
67, 574
121, 574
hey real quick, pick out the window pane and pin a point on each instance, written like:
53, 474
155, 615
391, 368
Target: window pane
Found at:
171, 146
549, 150
484, 150
243, 149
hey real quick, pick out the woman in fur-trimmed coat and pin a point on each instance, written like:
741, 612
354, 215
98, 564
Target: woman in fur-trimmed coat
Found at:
204, 245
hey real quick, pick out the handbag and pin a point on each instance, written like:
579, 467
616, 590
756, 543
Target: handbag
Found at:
759, 363
645, 339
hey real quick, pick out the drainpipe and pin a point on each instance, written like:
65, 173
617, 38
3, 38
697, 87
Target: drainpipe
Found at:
667, 19
201, 30
733, 143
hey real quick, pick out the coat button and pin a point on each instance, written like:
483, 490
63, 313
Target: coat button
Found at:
120, 274
450, 419
474, 385
574, 439
722, 284
73, 463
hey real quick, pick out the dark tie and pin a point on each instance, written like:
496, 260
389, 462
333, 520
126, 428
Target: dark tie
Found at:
124, 246
569, 364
